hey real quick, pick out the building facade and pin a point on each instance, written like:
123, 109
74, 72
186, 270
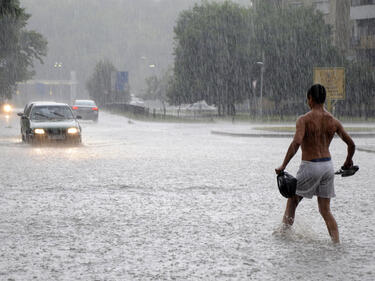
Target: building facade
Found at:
337, 14
352, 21
362, 15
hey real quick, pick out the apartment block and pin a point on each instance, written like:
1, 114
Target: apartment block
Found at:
336, 13
362, 15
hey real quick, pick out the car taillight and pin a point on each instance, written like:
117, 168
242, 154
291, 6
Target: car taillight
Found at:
75, 107
94, 108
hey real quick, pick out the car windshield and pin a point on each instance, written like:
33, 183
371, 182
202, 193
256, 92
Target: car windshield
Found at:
51, 112
85, 102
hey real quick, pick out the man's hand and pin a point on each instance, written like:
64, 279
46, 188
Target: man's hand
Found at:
280, 169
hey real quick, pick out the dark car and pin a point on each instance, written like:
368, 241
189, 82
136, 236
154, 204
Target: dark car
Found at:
87, 109
49, 122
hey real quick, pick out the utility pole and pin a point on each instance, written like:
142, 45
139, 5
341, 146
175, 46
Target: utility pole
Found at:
261, 63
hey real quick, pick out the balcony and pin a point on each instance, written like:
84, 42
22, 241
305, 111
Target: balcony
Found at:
362, 12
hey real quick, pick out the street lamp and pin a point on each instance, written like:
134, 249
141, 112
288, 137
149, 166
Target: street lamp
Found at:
58, 66
261, 63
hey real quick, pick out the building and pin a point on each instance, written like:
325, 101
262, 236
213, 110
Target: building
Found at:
362, 15
336, 13
352, 21
46, 90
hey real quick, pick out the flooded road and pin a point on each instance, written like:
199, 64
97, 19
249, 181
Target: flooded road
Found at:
159, 201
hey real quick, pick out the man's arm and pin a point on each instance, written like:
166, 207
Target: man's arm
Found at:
349, 142
293, 147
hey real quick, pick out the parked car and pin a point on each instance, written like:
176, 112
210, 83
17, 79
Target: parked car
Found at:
87, 109
49, 122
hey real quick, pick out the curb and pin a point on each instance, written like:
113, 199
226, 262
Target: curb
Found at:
281, 135
366, 149
249, 135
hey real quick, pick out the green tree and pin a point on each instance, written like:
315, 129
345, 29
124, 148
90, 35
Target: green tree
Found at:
294, 41
359, 90
152, 86
18, 47
99, 84
157, 88
217, 47
212, 56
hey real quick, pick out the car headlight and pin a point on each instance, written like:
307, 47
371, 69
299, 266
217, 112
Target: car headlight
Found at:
39, 131
7, 108
72, 131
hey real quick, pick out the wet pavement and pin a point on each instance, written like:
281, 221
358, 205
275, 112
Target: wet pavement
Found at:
159, 201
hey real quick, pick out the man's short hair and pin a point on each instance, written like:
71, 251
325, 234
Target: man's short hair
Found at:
318, 93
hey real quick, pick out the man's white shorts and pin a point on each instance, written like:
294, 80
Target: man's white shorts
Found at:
316, 178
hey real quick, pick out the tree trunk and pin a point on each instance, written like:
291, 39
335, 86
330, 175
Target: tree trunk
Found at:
233, 109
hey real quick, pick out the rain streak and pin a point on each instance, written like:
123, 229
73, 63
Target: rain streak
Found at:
139, 139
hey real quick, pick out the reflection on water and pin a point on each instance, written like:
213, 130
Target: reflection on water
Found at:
57, 152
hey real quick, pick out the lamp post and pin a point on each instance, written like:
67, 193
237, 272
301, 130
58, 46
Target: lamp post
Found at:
58, 66
261, 63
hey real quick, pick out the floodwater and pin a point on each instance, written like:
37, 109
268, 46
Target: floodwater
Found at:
158, 201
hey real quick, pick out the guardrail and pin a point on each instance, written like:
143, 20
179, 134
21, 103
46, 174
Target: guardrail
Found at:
125, 107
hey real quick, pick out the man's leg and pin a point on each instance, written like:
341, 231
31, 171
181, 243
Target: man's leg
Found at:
290, 210
325, 211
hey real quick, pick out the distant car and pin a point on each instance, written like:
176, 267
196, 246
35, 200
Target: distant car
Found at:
6, 108
49, 122
87, 109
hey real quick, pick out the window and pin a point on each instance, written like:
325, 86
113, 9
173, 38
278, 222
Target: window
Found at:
322, 6
362, 2
51, 113
85, 102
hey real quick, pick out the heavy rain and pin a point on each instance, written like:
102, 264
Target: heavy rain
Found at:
139, 139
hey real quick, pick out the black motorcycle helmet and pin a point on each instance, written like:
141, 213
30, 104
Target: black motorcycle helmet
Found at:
287, 184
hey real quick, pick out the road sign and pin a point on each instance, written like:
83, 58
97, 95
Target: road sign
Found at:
121, 80
333, 79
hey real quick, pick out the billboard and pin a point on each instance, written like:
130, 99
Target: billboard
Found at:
119, 81
333, 79
122, 79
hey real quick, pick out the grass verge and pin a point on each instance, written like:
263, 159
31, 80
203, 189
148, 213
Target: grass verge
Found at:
287, 129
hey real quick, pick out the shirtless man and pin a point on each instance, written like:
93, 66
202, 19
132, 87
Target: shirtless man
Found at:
314, 133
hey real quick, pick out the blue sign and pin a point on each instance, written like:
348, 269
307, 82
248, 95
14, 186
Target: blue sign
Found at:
122, 78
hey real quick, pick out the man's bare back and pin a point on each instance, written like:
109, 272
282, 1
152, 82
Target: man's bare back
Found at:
318, 128
315, 131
